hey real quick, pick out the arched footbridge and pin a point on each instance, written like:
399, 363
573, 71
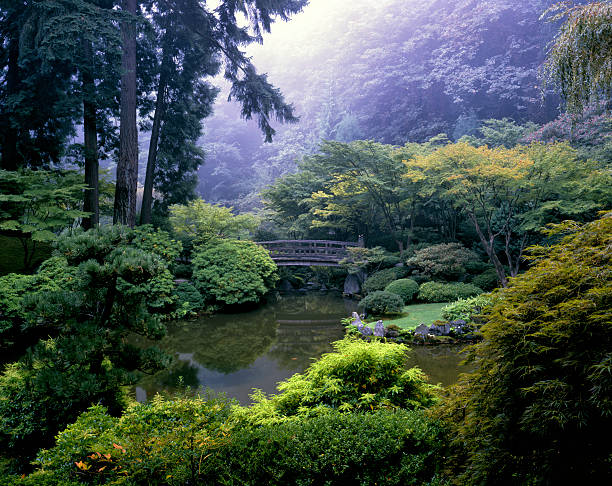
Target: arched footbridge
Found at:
307, 253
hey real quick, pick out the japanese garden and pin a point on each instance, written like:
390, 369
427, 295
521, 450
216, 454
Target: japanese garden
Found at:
305, 242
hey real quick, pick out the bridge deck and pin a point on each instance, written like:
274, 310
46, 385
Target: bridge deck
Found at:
315, 253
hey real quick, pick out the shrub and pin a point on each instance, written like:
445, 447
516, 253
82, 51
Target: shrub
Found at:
379, 280
487, 280
447, 292
380, 303
465, 308
233, 272
406, 288
358, 376
537, 408
384, 447
445, 261
189, 299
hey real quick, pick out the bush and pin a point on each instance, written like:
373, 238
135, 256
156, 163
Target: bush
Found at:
406, 288
233, 272
380, 303
487, 280
465, 308
357, 376
447, 292
189, 299
446, 261
379, 280
537, 409
384, 447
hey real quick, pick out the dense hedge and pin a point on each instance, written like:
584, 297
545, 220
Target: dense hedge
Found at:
381, 302
406, 288
379, 280
447, 292
466, 308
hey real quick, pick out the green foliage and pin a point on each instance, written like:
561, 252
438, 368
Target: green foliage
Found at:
91, 296
36, 205
233, 272
383, 447
580, 59
487, 280
537, 408
163, 441
466, 308
379, 280
447, 292
357, 376
381, 302
446, 261
202, 222
363, 259
406, 288
189, 299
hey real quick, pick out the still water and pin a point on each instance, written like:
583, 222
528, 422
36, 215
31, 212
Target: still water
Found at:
234, 353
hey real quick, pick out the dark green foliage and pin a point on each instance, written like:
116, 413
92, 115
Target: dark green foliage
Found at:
233, 272
447, 292
446, 261
406, 288
401, 448
99, 293
189, 299
379, 280
381, 302
537, 408
487, 280
357, 376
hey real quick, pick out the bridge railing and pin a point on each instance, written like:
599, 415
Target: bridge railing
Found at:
307, 250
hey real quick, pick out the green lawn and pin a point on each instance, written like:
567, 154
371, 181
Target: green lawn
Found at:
11, 255
414, 315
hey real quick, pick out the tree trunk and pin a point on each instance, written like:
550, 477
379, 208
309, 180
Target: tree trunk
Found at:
127, 166
9, 151
489, 246
90, 132
160, 106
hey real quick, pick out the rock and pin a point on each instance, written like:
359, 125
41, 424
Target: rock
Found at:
285, 285
323, 288
422, 331
179, 281
366, 331
392, 334
357, 321
440, 330
352, 284
379, 329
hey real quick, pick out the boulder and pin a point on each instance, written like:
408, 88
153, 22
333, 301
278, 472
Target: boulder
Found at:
440, 329
285, 285
352, 284
422, 331
379, 329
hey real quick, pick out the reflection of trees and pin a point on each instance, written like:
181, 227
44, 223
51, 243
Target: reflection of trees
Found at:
223, 344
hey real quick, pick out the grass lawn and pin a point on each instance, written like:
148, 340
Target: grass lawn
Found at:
11, 255
416, 314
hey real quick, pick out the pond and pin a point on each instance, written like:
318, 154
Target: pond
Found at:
234, 353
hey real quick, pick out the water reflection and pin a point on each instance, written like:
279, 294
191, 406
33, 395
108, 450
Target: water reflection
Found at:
234, 353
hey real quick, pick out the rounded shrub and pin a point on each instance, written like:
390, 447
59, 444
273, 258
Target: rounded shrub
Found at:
233, 272
446, 261
189, 299
406, 288
381, 302
447, 292
379, 280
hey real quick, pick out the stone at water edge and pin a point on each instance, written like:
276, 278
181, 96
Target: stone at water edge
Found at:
352, 284
422, 331
440, 330
379, 329
285, 285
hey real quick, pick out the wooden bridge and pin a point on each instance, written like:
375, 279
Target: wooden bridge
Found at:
307, 253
